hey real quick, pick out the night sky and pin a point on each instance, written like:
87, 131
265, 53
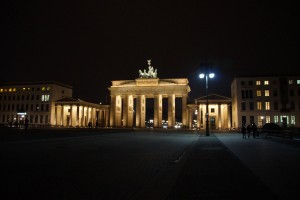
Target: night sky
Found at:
87, 44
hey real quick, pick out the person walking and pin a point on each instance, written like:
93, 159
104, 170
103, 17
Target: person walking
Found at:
249, 130
254, 129
26, 124
244, 131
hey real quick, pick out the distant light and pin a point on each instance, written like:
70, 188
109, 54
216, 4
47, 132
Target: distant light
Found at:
211, 75
201, 75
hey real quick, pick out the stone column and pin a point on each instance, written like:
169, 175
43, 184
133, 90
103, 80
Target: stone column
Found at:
80, 116
93, 116
100, 118
89, 112
184, 110
86, 116
199, 116
128, 111
140, 111
171, 111
63, 115
190, 112
125, 111
73, 115
70, 116
158, 111
118, 111
229, 116
58, 115
220, 116
107, 117
112, 111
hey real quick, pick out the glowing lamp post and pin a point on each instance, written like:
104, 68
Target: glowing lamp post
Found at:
207, 75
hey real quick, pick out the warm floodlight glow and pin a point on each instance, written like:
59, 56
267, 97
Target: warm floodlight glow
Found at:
201, 75
211, 75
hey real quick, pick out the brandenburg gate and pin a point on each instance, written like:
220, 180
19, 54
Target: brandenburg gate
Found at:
124, 94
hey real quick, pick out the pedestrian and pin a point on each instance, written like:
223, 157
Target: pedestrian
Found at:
254, 129
249, 130
244, 131
26, 124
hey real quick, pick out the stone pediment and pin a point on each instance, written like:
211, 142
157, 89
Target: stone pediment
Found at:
213, 98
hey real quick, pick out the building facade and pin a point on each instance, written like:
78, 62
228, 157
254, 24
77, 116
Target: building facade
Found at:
35, 100
47, 104
219, 112
129, 98
266, 99
70, 112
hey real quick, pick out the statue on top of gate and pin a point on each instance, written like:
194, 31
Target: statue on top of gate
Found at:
151, 72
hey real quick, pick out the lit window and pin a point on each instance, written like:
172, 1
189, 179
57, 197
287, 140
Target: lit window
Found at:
267, 93
298, 82
43, 88
257, 82
268, 119
258, 93
1, 90
29, 89
290, 82
5, 90
45, 97
24, 89
259, 105
266, 82
48, 88
267, 105
293, 120
14, 89
276, 119
10, 89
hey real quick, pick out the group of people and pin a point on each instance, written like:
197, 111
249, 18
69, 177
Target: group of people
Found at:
248, 129
23, 124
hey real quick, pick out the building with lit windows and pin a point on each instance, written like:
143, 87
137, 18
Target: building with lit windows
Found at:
47, 104
36, 101
266, 99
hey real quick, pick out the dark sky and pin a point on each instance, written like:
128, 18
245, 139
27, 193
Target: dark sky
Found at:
87, 44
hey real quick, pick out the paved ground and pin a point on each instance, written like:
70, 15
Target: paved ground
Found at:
127, 164
276, 161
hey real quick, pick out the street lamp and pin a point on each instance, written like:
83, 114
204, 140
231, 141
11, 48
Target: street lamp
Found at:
207, 75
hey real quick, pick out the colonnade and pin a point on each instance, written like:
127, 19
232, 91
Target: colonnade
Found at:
80, 115
123, 113
219, 112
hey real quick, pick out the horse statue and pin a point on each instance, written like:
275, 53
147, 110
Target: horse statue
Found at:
151, 72
143, 74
